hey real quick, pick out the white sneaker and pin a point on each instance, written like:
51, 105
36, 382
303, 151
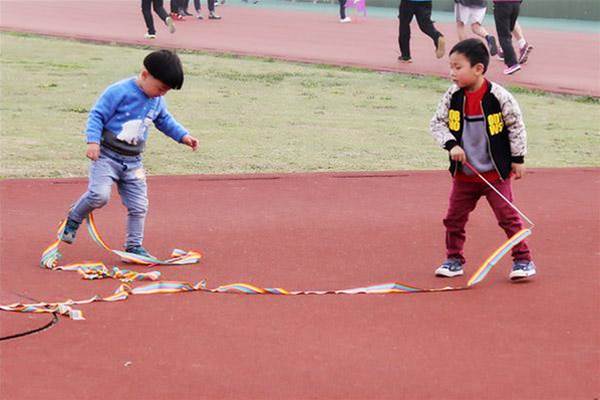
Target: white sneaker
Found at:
150, 36
345, 20
450, 268
170, 24
522, 269
512, 70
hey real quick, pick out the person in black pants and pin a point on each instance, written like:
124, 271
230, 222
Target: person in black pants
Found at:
343, 18
505, 16
147, 6
211, 9
177, 11
422, 10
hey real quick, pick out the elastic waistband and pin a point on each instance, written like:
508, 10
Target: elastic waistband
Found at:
118, 156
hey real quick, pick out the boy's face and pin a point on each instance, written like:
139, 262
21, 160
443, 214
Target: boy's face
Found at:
152, 86
463, 73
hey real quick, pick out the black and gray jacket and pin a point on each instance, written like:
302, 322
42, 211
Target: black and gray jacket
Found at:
506, 134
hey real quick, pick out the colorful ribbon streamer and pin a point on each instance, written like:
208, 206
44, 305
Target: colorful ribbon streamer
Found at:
51, 255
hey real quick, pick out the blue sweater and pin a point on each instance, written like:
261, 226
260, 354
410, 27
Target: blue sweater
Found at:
121, 117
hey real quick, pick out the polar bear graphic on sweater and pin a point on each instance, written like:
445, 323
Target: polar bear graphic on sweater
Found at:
133, 131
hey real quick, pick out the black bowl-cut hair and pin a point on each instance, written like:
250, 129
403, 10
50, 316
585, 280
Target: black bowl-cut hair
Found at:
165, 66
474, 50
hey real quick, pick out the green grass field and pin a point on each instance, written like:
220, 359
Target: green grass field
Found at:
254, 115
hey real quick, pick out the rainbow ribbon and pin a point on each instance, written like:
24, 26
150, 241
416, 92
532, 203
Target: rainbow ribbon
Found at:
99, 271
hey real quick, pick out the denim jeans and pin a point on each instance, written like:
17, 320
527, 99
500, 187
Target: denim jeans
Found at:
128, 173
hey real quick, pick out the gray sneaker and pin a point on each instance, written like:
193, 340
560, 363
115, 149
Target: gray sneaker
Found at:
450, 268
70, 230
491, 41
170, 24
522, 269
138, 250
524, 53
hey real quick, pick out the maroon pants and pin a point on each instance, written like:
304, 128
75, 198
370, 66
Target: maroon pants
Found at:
463, 199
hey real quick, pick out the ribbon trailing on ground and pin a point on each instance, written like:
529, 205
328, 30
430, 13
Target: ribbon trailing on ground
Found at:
99, 270
51, 256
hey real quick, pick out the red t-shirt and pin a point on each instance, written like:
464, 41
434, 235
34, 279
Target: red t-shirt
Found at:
473, 109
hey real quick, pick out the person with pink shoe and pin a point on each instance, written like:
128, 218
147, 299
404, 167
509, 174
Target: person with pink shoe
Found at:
506, 13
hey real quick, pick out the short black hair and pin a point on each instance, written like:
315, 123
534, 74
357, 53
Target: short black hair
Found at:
165, 66
474, 50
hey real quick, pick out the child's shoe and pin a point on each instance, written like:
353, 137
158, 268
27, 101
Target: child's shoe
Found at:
212, 15
440, 47
512, 70
524, 53
170, 24
522, 269
450, 268
137, 250
491, 41
70, 230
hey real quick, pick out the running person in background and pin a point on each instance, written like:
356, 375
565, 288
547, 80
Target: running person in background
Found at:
177, 9
343, 18
184, 8
506, 13
147, 6
524, 46
472, 12
422, 10
211, 9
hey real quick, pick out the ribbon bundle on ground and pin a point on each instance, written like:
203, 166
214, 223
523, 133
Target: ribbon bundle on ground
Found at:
98, 270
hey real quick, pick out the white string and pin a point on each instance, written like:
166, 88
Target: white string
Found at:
499, 194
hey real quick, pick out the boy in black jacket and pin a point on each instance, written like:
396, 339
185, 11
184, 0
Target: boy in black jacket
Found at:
480, 122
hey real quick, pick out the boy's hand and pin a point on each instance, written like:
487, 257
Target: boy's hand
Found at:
190, 141
93, 151
518, 170
458, 154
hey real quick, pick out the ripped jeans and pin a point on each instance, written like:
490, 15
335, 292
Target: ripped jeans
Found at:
128, 173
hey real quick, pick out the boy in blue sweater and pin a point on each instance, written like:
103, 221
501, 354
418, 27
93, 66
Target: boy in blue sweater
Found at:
116, 131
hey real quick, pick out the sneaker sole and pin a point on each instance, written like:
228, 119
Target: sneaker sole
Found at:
512, 71
525, 56
66, 240
440, 50
448, 274
170, 24
520, 275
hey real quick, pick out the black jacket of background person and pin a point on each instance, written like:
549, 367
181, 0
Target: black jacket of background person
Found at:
503, 124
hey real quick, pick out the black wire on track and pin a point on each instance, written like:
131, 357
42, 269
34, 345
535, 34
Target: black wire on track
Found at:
48, 325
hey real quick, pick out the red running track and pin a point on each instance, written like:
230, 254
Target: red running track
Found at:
564, 62
536, 340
